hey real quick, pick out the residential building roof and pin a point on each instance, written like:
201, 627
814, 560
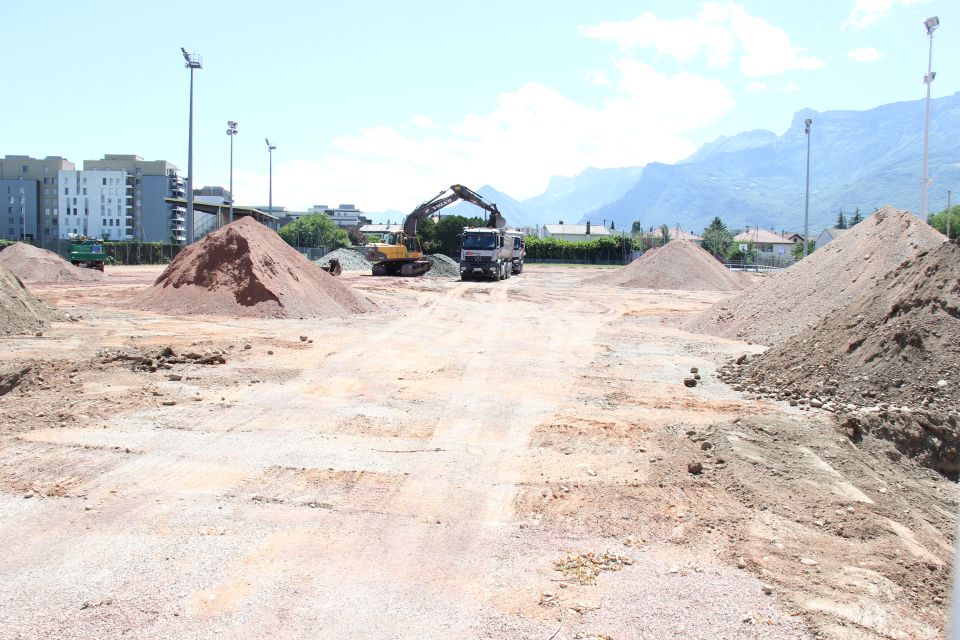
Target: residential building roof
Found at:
575, 230
381, 228
762, 236
679, 234
833, 232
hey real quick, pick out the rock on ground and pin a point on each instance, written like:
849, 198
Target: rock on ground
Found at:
349, 259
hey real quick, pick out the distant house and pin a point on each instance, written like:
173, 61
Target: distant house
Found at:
827, 235
679, 234
381, 228
793, 235
766, 242
575, 232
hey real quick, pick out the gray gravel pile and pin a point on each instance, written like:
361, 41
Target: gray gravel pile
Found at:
443, 266
349, 259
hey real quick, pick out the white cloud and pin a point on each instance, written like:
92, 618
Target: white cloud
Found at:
598, 79
865, 54
790, 88
867, 12
529, 135
423, 122
722, 31
757, 87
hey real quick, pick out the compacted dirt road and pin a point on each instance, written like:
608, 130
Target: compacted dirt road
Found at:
492, 460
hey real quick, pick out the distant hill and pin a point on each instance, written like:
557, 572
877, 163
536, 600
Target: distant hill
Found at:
859, 159
568, 199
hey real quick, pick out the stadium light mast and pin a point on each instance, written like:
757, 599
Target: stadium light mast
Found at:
193, 62
806, 197
931, 24
270, 148
231, 131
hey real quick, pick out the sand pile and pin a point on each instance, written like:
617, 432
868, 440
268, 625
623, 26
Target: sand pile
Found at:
791, 300
246, 270
349, 259
443, 266
676, 265
888, 362
35, 265
20, 310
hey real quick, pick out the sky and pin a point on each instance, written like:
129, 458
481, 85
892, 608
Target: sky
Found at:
384, 104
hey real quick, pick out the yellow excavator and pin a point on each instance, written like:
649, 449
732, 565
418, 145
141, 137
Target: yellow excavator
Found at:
399, 254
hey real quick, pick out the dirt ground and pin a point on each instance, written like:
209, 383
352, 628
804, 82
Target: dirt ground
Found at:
476, 460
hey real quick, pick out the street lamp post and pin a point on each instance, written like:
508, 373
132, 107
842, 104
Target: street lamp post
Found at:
193, 62
806, 197
270, 148
231, 131
931, 24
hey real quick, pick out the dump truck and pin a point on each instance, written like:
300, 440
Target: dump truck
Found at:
486, 252
519, 250
87, 253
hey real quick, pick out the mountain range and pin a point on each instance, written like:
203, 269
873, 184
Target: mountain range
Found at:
858, 159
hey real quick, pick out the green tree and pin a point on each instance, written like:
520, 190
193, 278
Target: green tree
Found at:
797, 250
427, 233
636, 227
857, 218
664, 234
448, 232
612, 226
314, 230
717, 239
841, 220
939, 222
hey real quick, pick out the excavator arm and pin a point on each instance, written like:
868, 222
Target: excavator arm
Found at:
459, 192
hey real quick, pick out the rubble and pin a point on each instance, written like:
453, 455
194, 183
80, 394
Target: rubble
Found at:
678, 265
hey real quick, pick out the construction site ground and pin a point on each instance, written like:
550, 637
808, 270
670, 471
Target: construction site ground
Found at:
475, 459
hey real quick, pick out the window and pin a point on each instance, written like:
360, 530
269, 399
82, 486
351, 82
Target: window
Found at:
84, 191
26, 168
66, 191
104, 182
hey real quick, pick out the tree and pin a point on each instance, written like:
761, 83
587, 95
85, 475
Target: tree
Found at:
447, 238
841, 220
612, 226
664, 234
939, 222
797, 250
636, 227
717, 239
314, 230
857, 218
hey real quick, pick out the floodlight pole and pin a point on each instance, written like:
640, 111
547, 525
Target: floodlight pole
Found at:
270, 148
231, 131
806, 197
931, 25
193, 62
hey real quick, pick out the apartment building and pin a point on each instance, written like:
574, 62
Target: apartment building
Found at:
18, 210
152, 218
96, 204
40, 195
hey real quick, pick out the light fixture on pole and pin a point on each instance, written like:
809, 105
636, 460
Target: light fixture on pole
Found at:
806, 197
931, 24
193, 62
270, 148
231, 131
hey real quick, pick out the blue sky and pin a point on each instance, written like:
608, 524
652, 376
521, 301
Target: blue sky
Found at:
383, 104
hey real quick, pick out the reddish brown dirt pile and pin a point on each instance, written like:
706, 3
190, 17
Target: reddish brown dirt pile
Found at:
245, 269
679, 264
35, 265
20, 310
793, 299
888, 363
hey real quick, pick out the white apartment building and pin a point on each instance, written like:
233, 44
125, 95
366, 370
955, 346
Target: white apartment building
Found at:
96, 204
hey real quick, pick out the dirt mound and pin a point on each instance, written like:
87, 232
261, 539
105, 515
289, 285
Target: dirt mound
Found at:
443, 266
349, 259
246, 270
791, 300
888, 362
20, 310
35, 265
678, 265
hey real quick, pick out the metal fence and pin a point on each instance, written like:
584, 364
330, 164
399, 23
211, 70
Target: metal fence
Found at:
121, 252
314, 253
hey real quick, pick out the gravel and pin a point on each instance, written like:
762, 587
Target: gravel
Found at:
20, 310
349, 259
443, 266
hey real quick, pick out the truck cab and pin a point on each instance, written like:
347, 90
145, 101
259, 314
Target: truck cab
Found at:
485, 253
519, 249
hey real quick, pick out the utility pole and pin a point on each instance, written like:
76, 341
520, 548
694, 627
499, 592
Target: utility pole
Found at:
949, 214
193, 62
231, 131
